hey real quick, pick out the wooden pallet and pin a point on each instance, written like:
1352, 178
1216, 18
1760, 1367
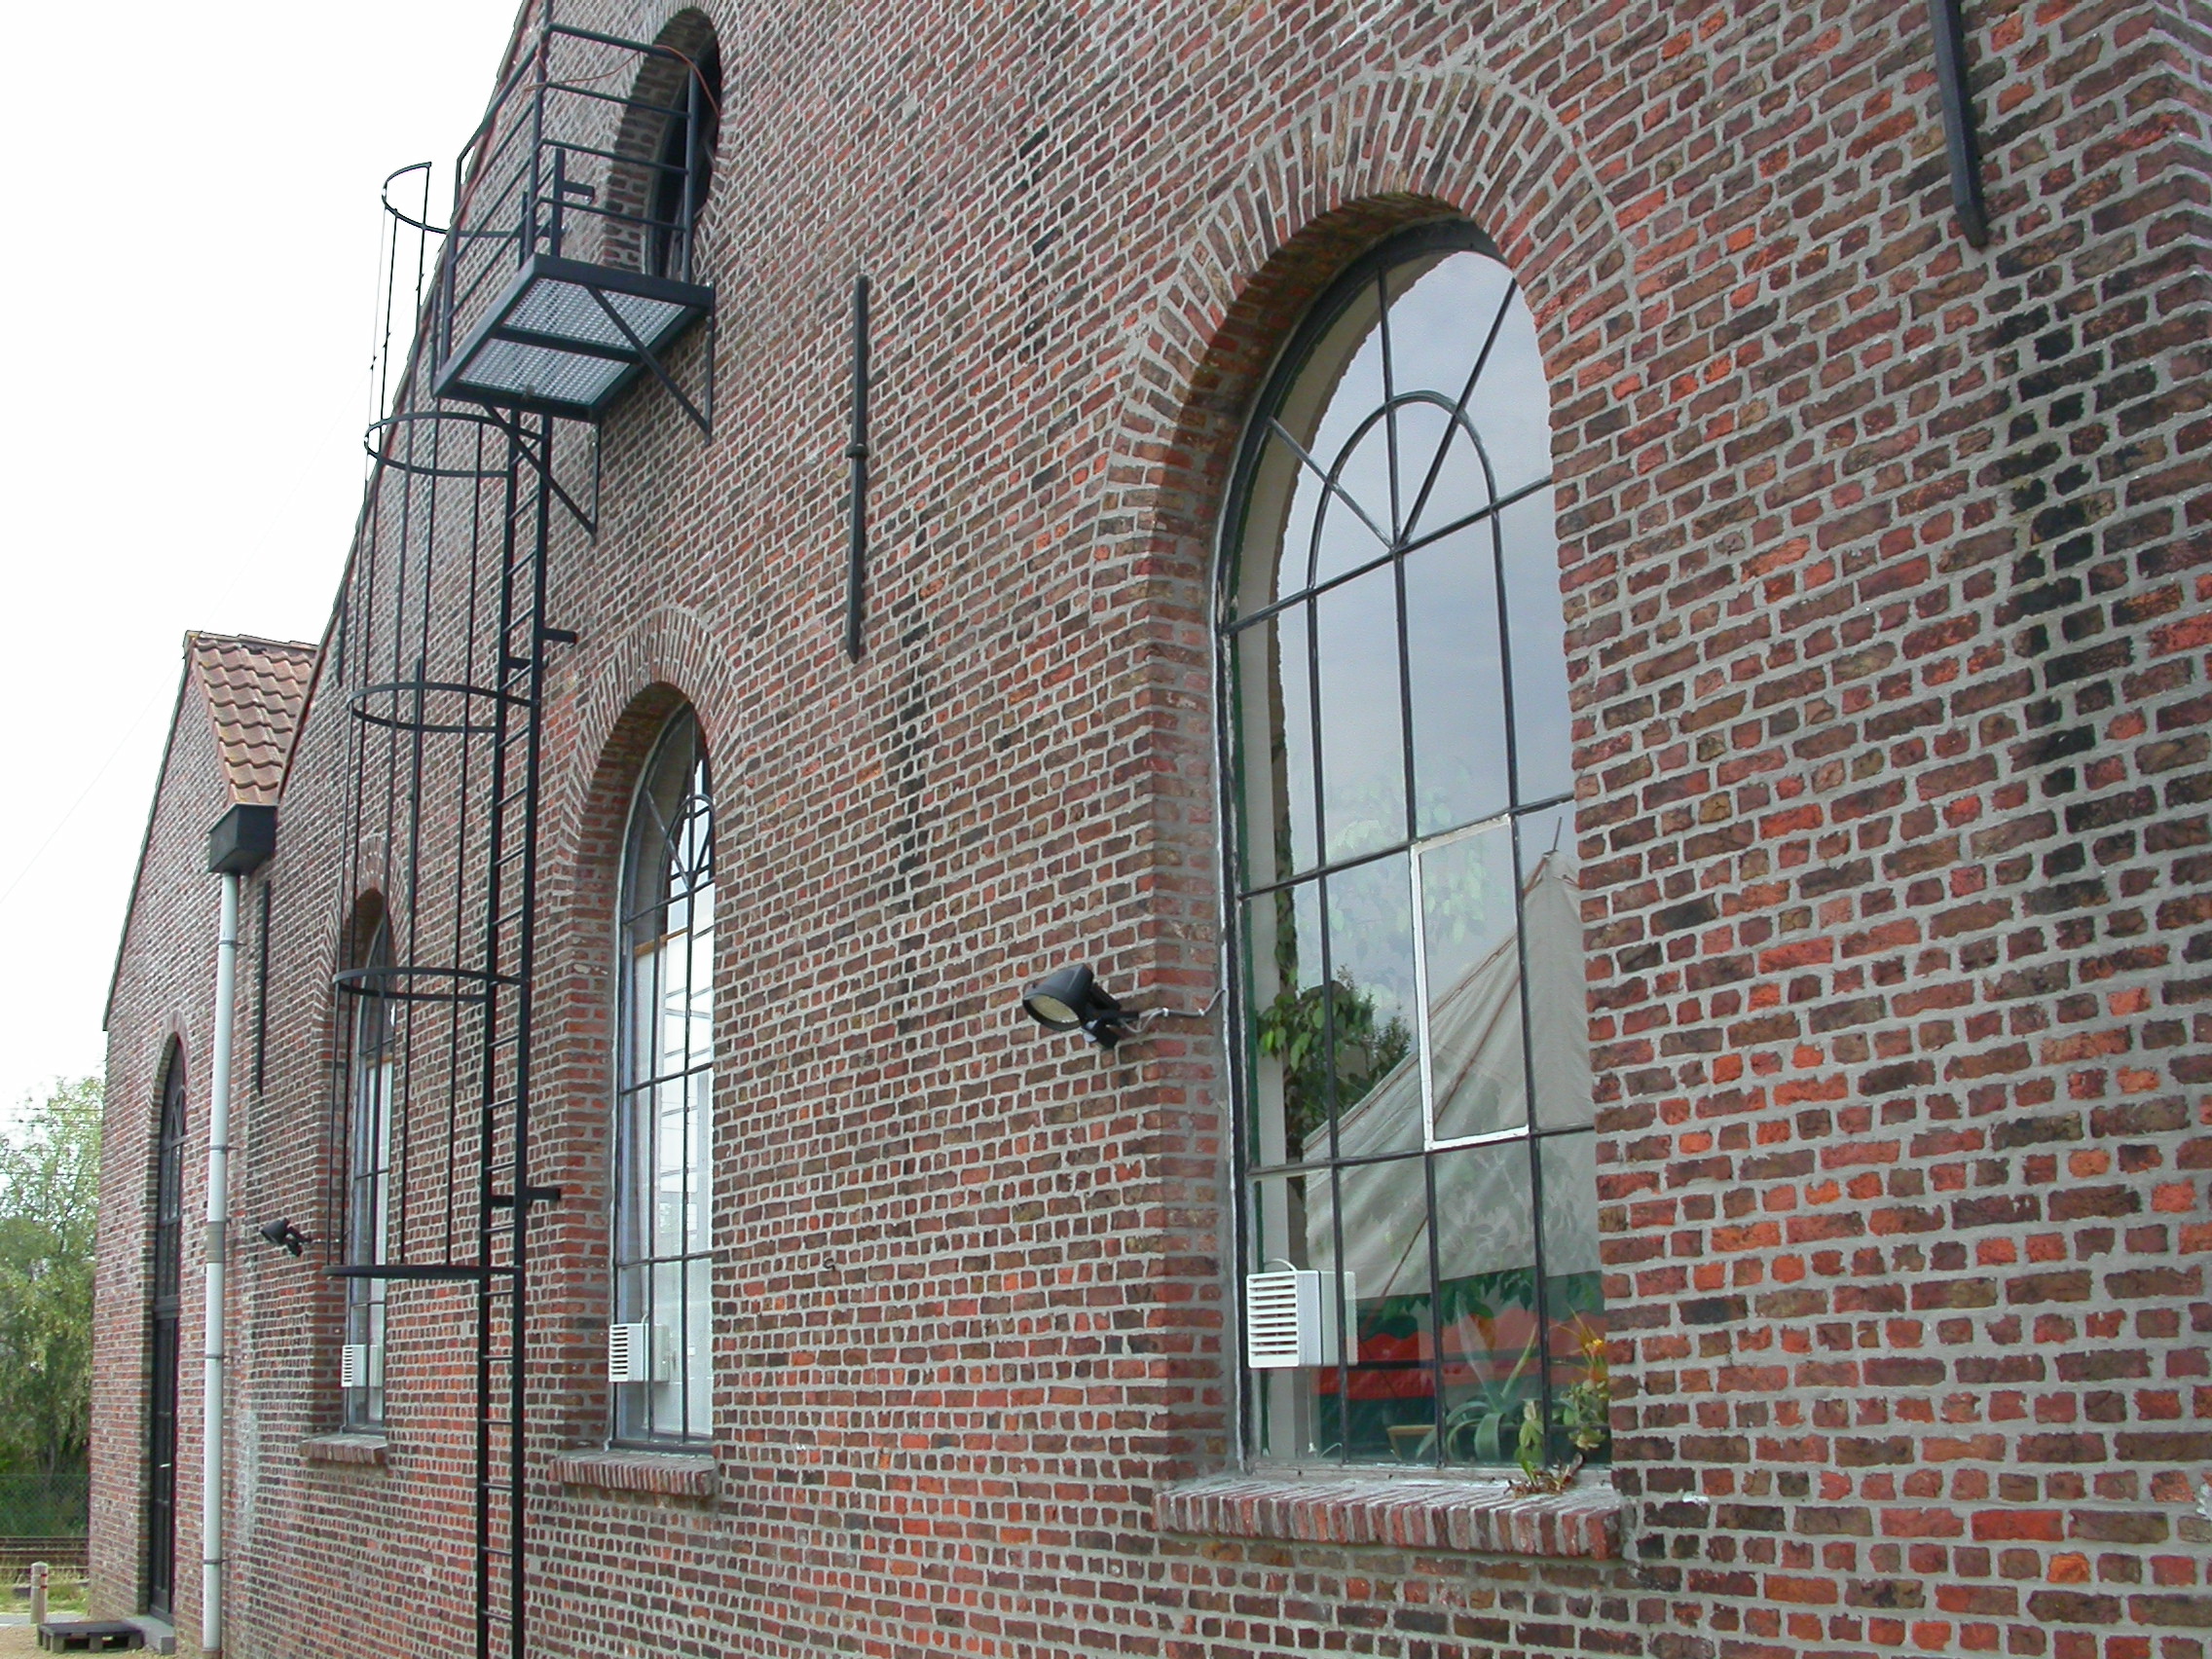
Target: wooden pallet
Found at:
90, 1635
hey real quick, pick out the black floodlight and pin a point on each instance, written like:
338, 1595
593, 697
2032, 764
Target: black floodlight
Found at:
284, 1236
1070, 1000
567, 336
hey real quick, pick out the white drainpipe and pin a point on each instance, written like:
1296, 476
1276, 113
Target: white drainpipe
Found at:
218, 1229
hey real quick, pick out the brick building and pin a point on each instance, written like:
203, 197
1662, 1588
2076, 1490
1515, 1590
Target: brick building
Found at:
1376, 519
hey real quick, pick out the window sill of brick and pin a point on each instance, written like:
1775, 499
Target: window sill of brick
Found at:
351, 1450
662, 1474
1464, 1517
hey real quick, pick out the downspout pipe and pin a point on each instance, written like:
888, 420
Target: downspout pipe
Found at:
240, 840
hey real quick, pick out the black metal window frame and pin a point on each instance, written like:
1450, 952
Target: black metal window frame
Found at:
666, 946
372, 1062
1537, 820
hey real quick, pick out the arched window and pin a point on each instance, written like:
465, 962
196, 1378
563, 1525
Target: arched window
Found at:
1413, 1055
165, 1307
664, 1099
370, 1069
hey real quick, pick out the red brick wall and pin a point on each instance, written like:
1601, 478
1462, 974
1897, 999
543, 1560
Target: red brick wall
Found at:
1886, 568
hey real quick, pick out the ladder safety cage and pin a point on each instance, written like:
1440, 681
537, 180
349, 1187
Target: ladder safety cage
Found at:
565, 274
571, 267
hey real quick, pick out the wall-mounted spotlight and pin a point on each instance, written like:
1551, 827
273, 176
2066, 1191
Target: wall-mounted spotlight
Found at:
286, 1236
1070, 1000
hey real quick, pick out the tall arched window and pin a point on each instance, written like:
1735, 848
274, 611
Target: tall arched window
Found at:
165, 1307
663, 1103
1413, 1060
370, 1069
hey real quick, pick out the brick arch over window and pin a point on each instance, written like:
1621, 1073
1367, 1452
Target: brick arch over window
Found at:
666, 661
1379, 154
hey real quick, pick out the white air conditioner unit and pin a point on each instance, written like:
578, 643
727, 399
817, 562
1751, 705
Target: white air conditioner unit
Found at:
361, 1365
1291, 1318
629, 1353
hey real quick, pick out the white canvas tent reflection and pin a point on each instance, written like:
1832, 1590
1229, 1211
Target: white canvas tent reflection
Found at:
1474, 1043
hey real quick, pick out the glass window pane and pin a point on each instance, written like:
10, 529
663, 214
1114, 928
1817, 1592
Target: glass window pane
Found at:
1478, 1080
671, 1171
1558, 984
1354, 517
698, 1328
1371, 1008
1486, 1299
1542, 735
1290, 1095
1389, 1397
1363, 755
666, 1339
699, 1090
1574, 1300
1457, 678
1442, 308
1511, 407
1274, 689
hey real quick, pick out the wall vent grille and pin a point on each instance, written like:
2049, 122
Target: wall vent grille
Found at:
1291, 1318
629, 1353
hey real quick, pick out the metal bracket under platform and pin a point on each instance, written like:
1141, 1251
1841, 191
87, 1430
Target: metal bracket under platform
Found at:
567, 338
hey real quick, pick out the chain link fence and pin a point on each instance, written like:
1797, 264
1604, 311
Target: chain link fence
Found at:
44, 1507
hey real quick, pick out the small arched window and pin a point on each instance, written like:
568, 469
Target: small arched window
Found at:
1413, 1060
371, 1066
664, 1097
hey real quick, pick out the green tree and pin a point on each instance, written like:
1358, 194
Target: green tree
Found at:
49, 1205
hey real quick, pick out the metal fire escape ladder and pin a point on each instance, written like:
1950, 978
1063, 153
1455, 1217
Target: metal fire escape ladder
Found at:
564, 277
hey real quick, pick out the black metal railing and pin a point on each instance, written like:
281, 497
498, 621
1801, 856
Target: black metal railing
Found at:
594, 149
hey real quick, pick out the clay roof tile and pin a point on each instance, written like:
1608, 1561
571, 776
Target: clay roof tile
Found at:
254, 690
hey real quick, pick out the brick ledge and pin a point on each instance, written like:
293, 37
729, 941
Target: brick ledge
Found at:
1401, 1514
358, 1451
665, 1474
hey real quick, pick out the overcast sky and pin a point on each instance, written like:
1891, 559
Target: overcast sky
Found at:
190, 278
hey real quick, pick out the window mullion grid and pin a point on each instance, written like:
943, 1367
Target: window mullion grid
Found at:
1252, 618
1459, 413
